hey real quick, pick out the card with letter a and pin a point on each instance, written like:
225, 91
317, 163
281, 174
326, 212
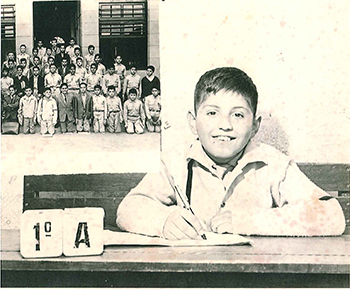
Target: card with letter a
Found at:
41, 233
83, 231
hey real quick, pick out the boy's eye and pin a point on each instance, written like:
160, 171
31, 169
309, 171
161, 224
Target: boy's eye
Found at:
211, 113
238, 114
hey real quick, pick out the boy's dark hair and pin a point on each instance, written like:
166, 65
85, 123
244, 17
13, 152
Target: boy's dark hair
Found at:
23, 60
36, 57
23, 45
36, 67
93, 64
151, 67
132, 90
72, 38
91, 46
98, 86
229, 79
111, 87
79, 58
83, 83
72, 65
34, 48
47, 88
64, 84
77, 48
5, 69
12, 86
111, 66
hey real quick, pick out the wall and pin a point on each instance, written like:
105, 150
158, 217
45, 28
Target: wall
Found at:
295, 51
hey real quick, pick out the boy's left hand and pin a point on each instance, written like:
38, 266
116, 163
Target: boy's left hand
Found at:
222, 222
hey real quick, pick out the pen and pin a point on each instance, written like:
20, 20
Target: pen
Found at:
181, 195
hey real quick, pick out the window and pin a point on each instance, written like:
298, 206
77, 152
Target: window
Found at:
123, 31
8, 31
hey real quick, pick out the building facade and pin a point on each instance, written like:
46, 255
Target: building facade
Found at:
116, 27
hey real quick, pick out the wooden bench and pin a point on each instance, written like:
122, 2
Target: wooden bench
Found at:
108, 190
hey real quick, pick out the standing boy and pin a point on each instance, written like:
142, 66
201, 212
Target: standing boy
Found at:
73, 81
83, 109
111, 78
101, 69
114, 111
47, 113
70, 48
149, 81
23, 55
6, 82
9, 106
20, 81
27, 111
41, 49
53, 80
65, 105
133, 80
120, 70
89, 57
36, 82
99, 105
134, 115
80, 69
233, 184
93, 78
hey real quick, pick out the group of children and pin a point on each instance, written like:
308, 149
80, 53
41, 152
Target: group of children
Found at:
57, 85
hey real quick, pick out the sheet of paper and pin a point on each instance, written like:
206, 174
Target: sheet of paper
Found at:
122, 238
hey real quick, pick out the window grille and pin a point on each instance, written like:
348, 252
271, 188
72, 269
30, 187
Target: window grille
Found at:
8, 20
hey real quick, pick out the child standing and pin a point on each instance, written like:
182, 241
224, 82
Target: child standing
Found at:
99, 105
133, 80
47, 113
233, 184
93, 78
23, 55
120, 70
41, 50
9, 106
114, 110
89, 57
111, 78
6, 82
152, 110
65, 104
101, 69
149, 81
134, 115
53, 80
27, 111
81, 70
83, 109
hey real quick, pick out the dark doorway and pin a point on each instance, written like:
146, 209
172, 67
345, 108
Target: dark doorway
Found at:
56, 18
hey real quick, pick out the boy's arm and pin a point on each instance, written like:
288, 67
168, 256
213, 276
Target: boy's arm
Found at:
54, 111
304, 210
142, 113
125, 85
145, 209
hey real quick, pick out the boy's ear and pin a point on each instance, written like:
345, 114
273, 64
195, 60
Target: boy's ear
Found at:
192, 122
256, 126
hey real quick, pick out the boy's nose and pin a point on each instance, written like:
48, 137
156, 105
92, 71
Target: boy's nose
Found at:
225, 123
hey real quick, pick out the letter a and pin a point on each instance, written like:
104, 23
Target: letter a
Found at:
78, 235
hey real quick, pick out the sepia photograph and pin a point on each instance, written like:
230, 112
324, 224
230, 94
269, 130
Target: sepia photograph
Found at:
175, 144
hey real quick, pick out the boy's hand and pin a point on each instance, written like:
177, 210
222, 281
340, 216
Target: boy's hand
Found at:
182, 224
222, 222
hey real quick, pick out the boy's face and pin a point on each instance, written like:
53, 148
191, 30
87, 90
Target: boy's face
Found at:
97, 59
36, 61
36, 71
12, 90
111, 92
54, 43
40, 44
19, 70
22, 49
71, 42
35, 52
224, 124
51, 61
97, 91
119, 59
11, 56
5, 73
52, 69
149, 72
83, 88
62, 48
72, 70
64, 89
64, 62
133, 70
79, 63
93, 69
28, 91
111, 70
11, 64
77, 52
132, 96
155, 91
47, 93
48, 51
91, 50
23, 63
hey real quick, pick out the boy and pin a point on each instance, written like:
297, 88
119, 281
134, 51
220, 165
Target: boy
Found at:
27, 111
47, 65
76, 54
72, 80
12, 68
9, 106
134, 115
99, 105
111, 78
20, 81
36, 82
120, 70
36, 63
70, 49
23, 63
89, 57
47, 113
133, 80
63, 70
53, 80
114, 111
233, 185
80, 69
10, 56
41, 49
55, 49
152, 110
149, 81
65, 107
6, 82
23, 55
35, 53
61, 55
93, 78
83, 109
48, 54
101, 69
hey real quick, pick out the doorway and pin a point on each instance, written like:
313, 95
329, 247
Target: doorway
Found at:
56, 19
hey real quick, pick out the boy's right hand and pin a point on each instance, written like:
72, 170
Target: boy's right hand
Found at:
182, 224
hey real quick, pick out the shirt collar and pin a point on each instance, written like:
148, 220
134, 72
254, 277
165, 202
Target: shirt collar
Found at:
252, 154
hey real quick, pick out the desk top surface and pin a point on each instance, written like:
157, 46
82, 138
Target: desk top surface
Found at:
268, 254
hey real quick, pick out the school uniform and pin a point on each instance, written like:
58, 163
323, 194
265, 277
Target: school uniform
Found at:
59, 57
23, 56
152, 110
265, 191
147, 84
83, 111
99, 105
120, 70
63, 71
9, 107
81, 71
134, 116
109, 80
47, 115
20, 83
92, 80
27, 113
133, 81
114, 114
101, 69
89, 59
36, 83
65, 106
53, 81
73, 81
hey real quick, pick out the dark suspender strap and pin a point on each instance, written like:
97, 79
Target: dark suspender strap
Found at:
189, 180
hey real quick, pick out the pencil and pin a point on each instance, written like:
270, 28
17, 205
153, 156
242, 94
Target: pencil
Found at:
181, 196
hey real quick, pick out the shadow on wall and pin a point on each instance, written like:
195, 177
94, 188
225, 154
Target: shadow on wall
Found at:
272, 133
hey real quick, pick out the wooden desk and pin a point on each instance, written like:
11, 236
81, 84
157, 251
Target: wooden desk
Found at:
270, 262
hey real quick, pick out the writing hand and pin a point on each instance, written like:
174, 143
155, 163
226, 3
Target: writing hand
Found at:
222, 222
182, 224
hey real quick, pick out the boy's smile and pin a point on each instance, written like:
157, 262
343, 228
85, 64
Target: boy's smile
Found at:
224, 124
